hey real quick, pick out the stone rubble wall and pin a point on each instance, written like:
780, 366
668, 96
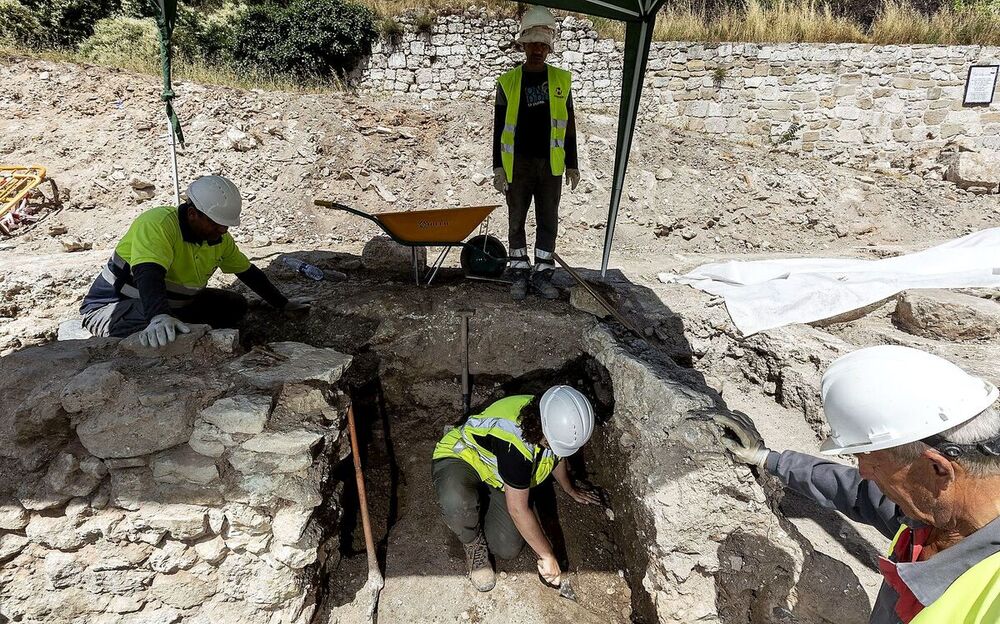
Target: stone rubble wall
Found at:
845, 99
191, 485
709, 545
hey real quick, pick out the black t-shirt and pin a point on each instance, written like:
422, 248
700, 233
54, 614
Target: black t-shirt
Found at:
514, 468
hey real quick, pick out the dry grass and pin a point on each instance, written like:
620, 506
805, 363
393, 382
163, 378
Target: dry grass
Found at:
759, 22
899, 23
769, 21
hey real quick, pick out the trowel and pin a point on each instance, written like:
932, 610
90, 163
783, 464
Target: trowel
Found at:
565, 587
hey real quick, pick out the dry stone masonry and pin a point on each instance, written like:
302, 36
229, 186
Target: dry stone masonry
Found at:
184, 486
838, 98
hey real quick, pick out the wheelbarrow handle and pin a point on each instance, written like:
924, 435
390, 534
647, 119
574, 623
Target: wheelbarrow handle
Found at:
338, 206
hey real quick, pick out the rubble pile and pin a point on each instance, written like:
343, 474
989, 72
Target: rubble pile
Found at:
188, 485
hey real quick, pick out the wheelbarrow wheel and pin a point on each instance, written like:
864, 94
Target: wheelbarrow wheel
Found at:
484, 256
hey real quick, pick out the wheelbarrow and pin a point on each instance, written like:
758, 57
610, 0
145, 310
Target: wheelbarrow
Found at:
484, 257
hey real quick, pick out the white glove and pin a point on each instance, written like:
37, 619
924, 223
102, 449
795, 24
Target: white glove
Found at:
161, 331
500, 180
748, 445
573, 177
298, 304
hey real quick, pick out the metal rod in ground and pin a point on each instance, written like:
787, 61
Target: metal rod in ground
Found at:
173, 161
375, 582
466, 387
613, 311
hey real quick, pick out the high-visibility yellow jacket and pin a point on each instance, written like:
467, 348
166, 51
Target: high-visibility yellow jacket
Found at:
560, 83
500, 420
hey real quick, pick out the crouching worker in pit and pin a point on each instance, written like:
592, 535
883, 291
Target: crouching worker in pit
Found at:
156, 279
494, 460
926, 435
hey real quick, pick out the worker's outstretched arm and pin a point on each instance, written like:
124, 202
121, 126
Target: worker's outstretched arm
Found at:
561, 473
830, 484
256, 281
836, 486
531, 530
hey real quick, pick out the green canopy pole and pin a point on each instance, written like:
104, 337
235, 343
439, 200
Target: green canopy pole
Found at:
166, 17
638, 38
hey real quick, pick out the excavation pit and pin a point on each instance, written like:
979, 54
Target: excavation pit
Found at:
213, 483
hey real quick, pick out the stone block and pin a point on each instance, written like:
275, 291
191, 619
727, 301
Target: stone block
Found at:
302, 363
975, 169
383, 254
181, 590
947, 315
239, 414
183, 464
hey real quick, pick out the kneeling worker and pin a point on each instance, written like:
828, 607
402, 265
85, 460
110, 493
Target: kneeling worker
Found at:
514, 445
927, 438
156, 279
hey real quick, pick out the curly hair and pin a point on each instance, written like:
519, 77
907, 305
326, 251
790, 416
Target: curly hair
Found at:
530, 421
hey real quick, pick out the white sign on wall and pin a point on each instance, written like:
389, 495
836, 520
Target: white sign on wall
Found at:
981, 85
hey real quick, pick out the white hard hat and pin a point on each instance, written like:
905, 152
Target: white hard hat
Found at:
886, 396
567, 419
537, 26
217, 198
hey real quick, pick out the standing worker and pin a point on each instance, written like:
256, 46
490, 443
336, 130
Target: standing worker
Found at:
927, 438
156, 279
534, 144
495, 458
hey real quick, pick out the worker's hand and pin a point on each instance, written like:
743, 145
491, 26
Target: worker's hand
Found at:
548, 569
298, 304
161, 331
584, 497
500, 180
573, 178
743, 441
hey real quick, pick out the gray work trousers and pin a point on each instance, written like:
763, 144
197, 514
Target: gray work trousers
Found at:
460, 493
533, 179
211, 306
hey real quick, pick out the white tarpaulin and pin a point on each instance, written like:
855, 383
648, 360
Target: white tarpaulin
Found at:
771, 293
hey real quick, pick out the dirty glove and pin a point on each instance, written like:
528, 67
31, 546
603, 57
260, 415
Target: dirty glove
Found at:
298, 304
745, 442
573, 178
161, 331
500, 180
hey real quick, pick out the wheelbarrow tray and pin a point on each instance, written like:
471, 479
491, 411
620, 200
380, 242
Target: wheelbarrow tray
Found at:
450, 225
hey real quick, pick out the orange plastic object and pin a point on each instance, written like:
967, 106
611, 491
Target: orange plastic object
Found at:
450, 225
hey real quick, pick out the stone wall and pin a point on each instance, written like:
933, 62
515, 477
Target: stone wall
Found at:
845, 98
187, 485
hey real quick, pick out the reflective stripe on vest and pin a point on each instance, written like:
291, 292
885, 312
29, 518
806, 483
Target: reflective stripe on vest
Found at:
560, 83
500, 421
974, 597
118, 273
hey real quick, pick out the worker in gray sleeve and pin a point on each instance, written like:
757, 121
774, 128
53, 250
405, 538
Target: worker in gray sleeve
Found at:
534, 146
927, 439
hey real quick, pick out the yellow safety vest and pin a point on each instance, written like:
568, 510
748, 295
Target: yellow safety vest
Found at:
974, 597
500, 420
560, 82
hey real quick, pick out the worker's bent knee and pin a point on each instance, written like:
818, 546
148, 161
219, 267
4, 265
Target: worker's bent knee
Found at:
505, 546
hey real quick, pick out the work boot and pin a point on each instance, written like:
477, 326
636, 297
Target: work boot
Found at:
477, 557
541, 281
519, 287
